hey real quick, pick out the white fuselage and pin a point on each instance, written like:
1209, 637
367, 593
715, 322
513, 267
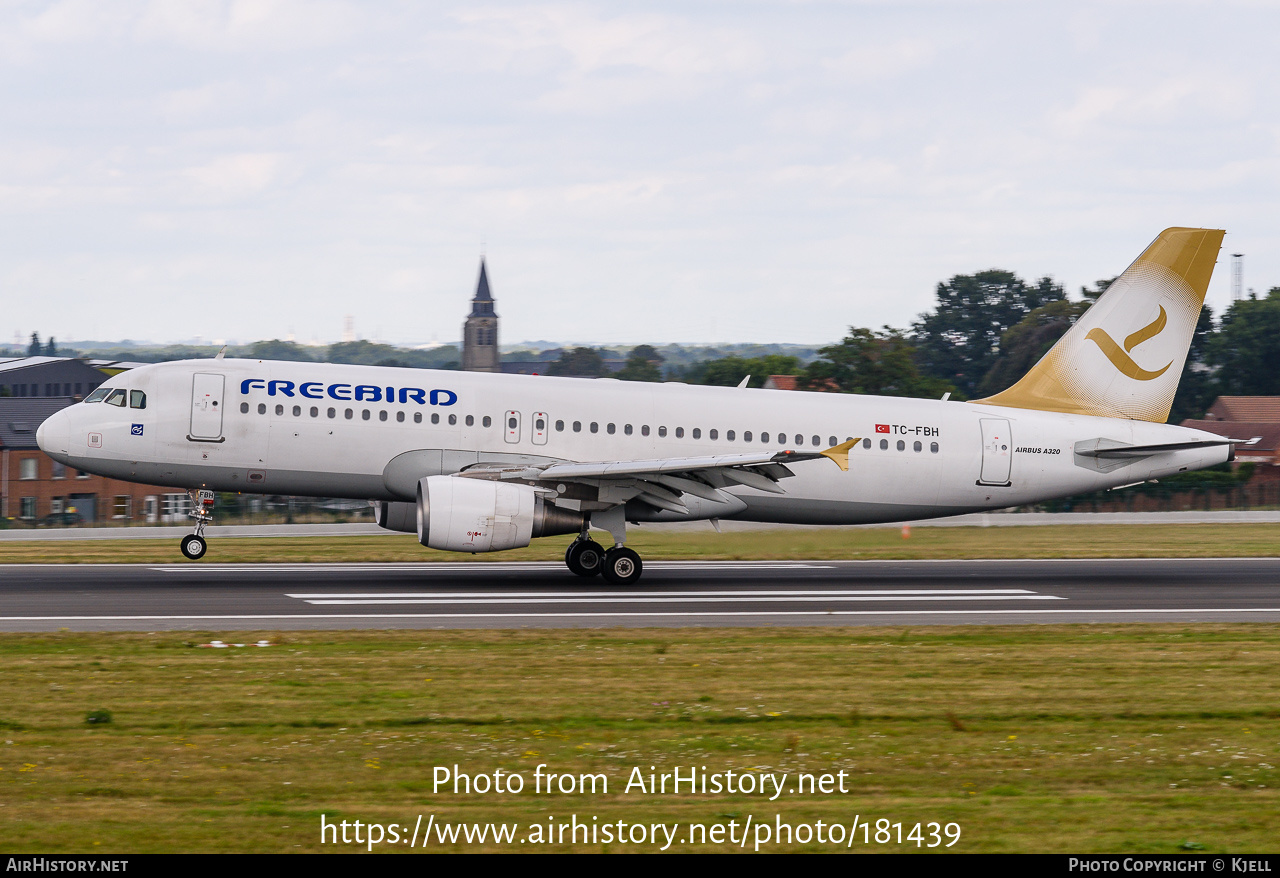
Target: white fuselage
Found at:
371, 432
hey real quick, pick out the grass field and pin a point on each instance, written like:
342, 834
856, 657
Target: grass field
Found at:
1057, 541
1135, 738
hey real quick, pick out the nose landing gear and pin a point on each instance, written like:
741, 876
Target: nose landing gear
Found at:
194, 545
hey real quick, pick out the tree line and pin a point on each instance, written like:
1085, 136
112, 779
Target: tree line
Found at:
985, 331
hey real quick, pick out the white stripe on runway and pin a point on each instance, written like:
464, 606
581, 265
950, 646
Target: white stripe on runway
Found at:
622, 595
804, 599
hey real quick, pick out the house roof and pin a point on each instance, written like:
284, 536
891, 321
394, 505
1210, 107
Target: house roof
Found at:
9, 364
20, 416
1258, 409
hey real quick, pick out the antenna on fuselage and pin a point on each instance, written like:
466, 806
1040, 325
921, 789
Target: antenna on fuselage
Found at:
222, 353
743, 382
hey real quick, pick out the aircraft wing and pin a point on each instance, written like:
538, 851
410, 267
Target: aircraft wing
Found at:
660, 482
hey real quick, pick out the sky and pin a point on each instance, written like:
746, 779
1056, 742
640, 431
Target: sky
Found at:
689, 172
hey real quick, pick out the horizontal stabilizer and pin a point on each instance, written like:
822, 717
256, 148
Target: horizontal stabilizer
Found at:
1110, 449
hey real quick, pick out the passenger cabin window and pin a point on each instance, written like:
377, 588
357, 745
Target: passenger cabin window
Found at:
662, 431
679, 432
97, 396
116, 398
137, 399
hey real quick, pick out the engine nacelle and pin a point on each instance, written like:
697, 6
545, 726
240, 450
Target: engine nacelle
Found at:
396, 516
480, 515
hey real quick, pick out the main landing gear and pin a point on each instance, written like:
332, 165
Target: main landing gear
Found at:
194, 545
618, 566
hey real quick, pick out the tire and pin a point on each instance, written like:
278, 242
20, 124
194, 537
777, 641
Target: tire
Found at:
584, 557
193, 547
621, 566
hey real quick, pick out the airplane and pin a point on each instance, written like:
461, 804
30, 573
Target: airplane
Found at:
478, 462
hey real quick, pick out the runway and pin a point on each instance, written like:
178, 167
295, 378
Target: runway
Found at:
213, 597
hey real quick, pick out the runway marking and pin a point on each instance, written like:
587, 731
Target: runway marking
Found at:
632, 615
690, 598
621, 595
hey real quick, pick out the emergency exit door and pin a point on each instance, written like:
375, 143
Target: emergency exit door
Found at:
997, 452
206, 407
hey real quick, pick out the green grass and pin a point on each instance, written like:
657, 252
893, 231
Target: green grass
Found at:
1134, 739
1057, 541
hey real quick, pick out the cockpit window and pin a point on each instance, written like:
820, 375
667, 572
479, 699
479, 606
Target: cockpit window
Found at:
137, 399
98, 394
116, 398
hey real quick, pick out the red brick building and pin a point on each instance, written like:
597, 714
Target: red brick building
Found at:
35, 489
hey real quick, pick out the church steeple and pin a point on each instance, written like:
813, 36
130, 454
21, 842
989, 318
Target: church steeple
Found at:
480, 331
482, 304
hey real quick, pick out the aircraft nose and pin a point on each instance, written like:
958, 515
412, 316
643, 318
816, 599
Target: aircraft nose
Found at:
54, 435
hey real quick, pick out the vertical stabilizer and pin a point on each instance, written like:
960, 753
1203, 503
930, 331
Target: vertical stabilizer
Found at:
1124, 357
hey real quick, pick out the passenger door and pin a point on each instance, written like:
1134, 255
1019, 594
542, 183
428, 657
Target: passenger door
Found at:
206, 407
997, 452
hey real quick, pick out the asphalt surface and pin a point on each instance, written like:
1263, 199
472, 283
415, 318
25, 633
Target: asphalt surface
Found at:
230, 597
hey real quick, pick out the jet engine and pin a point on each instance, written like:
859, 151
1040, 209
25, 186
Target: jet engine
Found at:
476, 515
396, 516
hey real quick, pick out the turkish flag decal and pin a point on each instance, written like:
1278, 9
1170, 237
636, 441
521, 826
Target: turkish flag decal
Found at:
882, 428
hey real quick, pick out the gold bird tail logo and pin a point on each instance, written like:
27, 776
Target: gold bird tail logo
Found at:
1120, 358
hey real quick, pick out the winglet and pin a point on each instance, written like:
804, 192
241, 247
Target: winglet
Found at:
840, 453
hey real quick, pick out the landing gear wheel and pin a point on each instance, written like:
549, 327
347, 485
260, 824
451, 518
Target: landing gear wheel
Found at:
193, 547
621, 566
584, 557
